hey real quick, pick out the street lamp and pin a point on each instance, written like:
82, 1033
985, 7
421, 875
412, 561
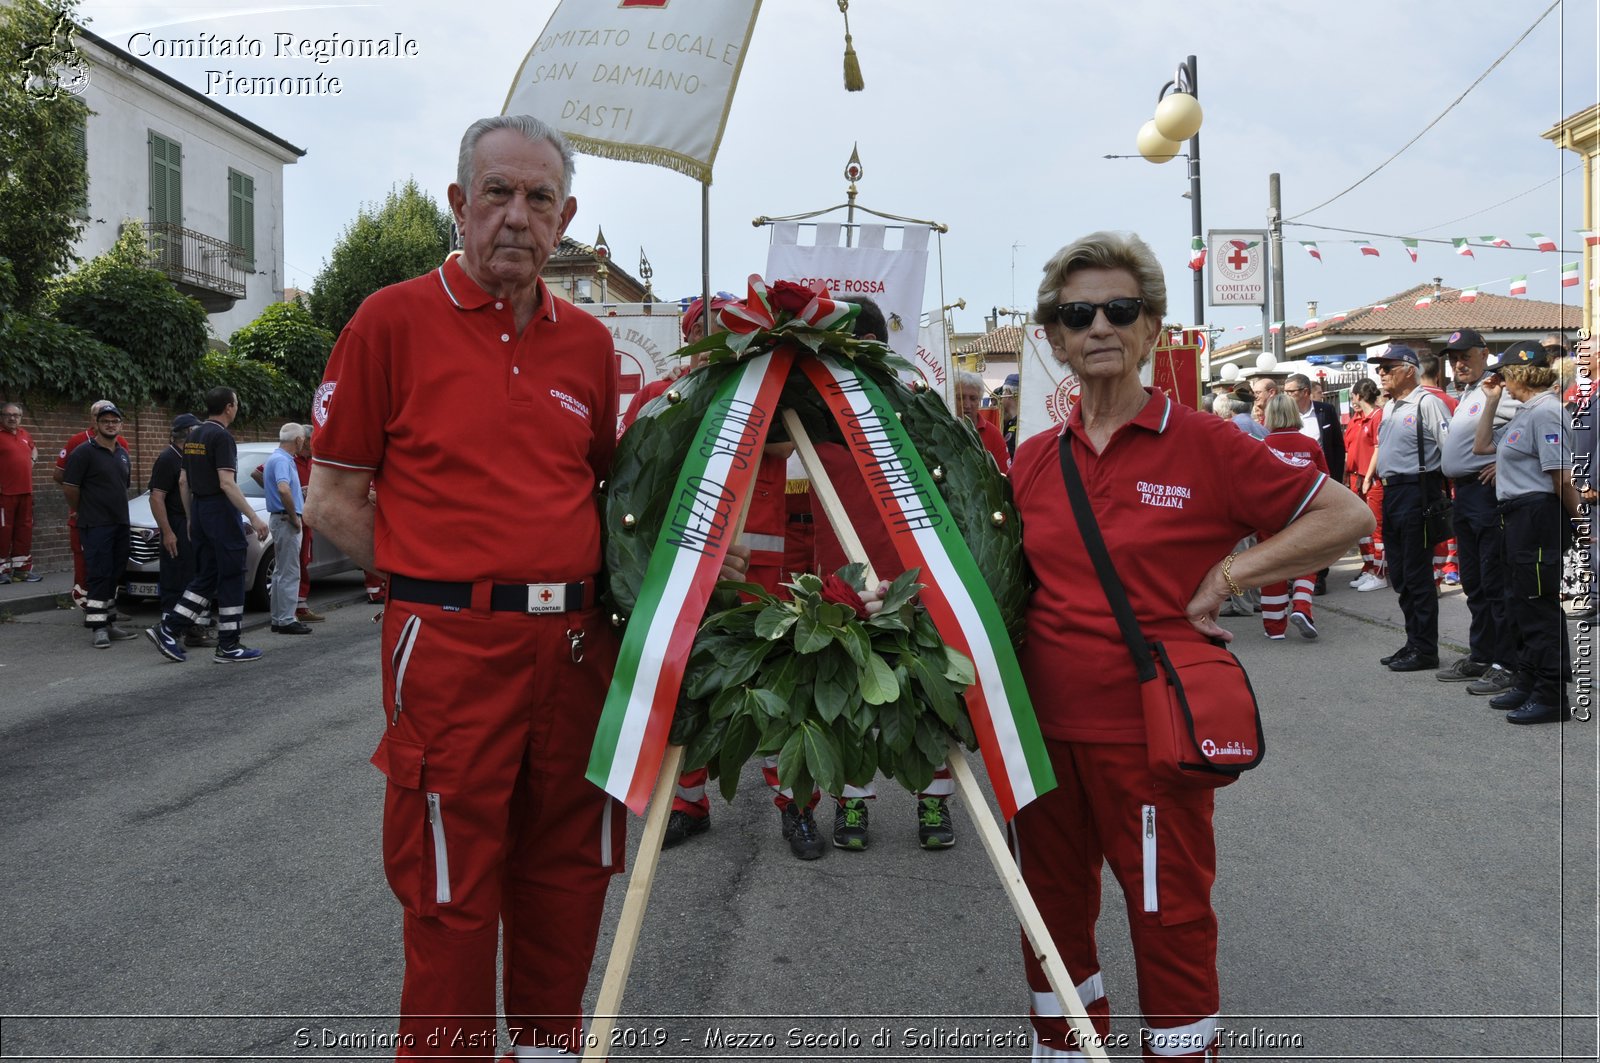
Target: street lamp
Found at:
1178, 117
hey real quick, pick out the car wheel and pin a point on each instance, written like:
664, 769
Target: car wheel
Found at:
260, 593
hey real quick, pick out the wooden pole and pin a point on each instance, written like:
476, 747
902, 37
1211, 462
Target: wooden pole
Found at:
989, 832
626, 942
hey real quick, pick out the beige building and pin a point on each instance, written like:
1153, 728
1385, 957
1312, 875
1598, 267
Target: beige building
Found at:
1580, 133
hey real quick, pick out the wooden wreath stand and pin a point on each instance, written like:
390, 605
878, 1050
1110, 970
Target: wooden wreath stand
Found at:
608, 1005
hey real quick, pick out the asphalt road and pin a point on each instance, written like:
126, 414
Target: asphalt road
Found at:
192, 871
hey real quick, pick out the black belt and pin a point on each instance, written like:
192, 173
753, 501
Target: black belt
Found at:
503, 597
1463, 481
1409, 478
802, 518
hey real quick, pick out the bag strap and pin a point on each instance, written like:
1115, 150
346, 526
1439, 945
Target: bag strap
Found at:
1095, 544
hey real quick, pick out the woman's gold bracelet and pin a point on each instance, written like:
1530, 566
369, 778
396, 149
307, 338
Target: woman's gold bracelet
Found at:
1227, 576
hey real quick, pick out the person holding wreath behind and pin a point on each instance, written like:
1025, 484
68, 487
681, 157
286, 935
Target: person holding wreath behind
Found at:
1172, 492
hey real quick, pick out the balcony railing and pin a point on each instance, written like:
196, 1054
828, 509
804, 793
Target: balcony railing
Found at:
199, 264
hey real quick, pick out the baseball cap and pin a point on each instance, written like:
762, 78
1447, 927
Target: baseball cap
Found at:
1395, 352
1012, 385
98, 405
692, 312
184, 421
1464, 340
105, 409
1523, 352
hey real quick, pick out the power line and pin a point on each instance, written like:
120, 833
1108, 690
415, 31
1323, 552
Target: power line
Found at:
1503, 202
1436, 121
1419, 239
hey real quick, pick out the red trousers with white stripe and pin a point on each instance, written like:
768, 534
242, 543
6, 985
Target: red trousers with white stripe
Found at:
1278, 601
1371, 546
16, 533
489, 823
1159, 843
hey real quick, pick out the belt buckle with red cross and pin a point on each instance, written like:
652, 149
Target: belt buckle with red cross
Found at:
547, 597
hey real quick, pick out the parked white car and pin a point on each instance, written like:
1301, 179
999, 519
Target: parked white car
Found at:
144, 550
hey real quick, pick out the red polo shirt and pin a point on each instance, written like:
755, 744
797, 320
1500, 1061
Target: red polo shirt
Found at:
16, 462
1175, 490
487, 447
994, 441
1291, 443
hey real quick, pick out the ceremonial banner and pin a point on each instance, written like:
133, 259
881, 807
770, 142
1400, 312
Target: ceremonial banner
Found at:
933, 358
1175, 366
925, 537
892, 277
1049, 388
646, 344
715, 479
642, 80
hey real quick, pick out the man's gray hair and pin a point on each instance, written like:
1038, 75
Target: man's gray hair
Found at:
529, 127
289, 433
1299, 380
966, 378
305, 432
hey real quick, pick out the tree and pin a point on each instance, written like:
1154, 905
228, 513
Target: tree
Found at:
43, 179
118, 299
405, 237
285, 337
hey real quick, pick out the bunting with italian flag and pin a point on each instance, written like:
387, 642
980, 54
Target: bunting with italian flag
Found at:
1426, 300
1469, 295
1366, 248
1569, 275
1589, 238
1494, 241
1311, 249
1411, 247
1276, 327
1519, 285
1543, 241
1197, 253
1461, 247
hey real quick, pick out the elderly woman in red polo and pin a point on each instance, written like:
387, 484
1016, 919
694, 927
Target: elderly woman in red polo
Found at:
1172, 492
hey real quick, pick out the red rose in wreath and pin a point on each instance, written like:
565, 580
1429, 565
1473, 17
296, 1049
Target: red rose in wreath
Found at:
787, 295
839, 592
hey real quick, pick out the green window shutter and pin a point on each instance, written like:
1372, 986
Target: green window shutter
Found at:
166, 180
242, 216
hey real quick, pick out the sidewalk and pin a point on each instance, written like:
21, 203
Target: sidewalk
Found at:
54, 591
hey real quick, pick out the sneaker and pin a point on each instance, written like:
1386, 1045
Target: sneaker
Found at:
1452, 579
1495, 680
681, 827
119, 634
1360, 576
1532, 711
166, 642
26, 577
102, 639
1463, 670
1303, 622
800, 828
1274, 638
850, 823
307, 616
296, 628
1513, 698
235, 654
934, 829
1371, 582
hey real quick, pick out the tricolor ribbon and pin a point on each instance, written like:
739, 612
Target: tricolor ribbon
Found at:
717, 476
957, 598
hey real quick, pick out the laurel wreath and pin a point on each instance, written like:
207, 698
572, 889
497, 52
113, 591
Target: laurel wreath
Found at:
836, 696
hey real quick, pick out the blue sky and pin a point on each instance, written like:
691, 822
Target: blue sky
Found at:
996, 128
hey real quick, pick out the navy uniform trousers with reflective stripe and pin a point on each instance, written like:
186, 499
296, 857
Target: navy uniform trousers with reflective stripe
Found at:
218, 536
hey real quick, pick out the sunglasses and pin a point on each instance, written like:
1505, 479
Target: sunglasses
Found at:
1078, 316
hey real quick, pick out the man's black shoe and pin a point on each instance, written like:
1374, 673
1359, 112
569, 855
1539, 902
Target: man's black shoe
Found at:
1403, 651
800, 828
1511, 699
1414, 662
296, 628
681, 827
1322, 585
1536, 712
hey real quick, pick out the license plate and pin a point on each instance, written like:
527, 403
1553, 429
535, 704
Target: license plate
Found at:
144, 590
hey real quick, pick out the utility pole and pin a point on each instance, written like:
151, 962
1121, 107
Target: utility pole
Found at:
1275, 223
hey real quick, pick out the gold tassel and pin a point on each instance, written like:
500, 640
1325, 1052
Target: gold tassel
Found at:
852, 65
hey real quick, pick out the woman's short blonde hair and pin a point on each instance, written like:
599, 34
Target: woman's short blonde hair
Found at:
1533, 377
1104, 250
1282, 412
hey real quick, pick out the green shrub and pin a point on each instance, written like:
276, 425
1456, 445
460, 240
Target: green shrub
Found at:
285, 337
259, 386
43, 357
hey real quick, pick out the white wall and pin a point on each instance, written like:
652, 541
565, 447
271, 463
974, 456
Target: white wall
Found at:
128, 103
